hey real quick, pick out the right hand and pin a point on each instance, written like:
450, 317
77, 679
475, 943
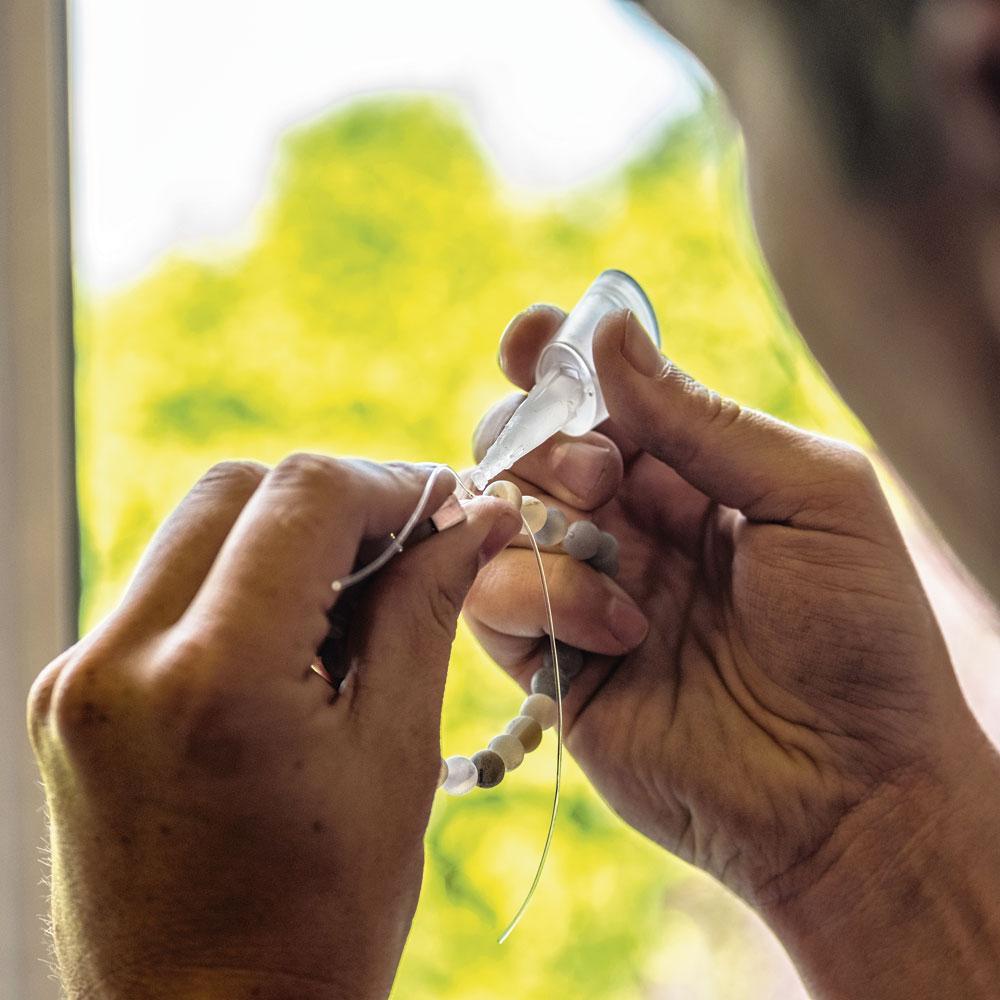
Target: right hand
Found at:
794, 696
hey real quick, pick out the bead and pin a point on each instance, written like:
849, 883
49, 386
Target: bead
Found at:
542, 709
605, 560
463, 776
534, 513
554, 529
570, 660
583, 538
503, 490
443, 773
490, 768
510, 749
527, 730
542, 682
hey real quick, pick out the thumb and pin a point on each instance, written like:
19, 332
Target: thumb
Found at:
738, 457
409, 618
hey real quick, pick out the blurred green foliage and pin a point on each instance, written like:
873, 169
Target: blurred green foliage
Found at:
363, 318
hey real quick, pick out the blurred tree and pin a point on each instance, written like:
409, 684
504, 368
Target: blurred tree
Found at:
363, 318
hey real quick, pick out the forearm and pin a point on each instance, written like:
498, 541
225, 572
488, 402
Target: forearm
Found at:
907, 904
165, 959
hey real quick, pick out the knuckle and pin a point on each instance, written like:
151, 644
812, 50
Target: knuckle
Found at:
708, 410
851, 475
855, 464
182, 667
40, 698
721, 412
77, 698
845, 487
310, 473
207, 712
237, 472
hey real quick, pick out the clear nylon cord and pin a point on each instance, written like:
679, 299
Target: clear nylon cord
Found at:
393, 549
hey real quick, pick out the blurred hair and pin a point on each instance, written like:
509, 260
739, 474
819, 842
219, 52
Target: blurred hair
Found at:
859, 56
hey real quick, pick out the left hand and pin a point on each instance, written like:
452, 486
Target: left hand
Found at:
224, 824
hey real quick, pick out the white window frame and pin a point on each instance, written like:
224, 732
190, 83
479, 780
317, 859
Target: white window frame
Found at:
39, 568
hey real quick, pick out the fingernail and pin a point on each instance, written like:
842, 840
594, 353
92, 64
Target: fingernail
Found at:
639, 350
580, 466
628, 624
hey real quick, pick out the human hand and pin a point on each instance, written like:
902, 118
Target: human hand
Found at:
791, 723
223, 822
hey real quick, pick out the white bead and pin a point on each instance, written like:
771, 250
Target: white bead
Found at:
542, 709
443, 773
510, 748
463, 775
503, 490
534, 512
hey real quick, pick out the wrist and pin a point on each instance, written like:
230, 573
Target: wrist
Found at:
208, 984
901, 901
306, 963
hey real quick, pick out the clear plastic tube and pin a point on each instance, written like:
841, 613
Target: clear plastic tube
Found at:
567, 394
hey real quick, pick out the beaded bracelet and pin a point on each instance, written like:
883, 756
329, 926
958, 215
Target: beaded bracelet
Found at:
582, 540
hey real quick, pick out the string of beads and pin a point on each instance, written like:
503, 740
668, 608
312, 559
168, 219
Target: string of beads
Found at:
581, 540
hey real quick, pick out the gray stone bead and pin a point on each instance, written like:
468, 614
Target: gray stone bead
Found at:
555, 528
608, 546
605, 560
570, 660
490, 766
582, 540
608, 565
527, 731
542, 682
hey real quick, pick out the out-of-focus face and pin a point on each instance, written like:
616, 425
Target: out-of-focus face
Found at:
894, 290
832, 252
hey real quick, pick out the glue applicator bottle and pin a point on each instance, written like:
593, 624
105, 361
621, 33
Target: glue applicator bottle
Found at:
567, 396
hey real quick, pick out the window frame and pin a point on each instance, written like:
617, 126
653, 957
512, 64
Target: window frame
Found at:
39, 536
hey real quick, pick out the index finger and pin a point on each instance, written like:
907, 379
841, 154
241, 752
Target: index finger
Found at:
269, 590
520, 345
523, 340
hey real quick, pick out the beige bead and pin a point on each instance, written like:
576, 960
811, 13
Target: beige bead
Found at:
542, 709
510, 749
534, 513
443, 773
503, 490
527, 730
